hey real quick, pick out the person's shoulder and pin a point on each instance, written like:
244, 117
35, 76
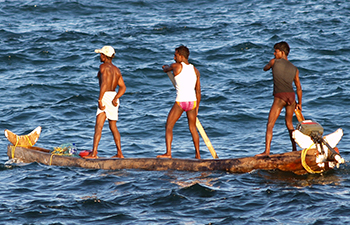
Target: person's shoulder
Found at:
102, 68
272, 62
115, 69
104, 65
196, 70
176, 64
283, 61
290, 63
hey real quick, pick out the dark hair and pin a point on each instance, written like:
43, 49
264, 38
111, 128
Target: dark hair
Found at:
183, 50
110, 57
282, 46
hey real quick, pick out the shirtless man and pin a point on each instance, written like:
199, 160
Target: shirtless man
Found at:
108, 102
188, 98
284, 74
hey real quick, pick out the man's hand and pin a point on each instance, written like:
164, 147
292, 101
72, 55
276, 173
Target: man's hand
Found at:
101, 106
269, 65
115, 102
165, 68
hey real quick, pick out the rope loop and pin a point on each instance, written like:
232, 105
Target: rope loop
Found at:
303, 161
14, 148
57, 151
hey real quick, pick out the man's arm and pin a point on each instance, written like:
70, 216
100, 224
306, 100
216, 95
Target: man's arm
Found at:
299, 90
175, 67
121, 90
103, 86
269, 65
121, 84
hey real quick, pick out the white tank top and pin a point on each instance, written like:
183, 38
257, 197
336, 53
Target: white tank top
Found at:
185, 84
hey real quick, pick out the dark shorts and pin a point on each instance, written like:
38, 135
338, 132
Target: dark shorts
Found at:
288, 97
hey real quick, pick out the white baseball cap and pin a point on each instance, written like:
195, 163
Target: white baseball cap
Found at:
106, 50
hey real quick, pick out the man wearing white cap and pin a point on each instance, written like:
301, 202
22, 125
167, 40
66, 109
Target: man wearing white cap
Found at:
110, 78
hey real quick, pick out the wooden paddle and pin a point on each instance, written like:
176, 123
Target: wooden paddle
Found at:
199, 126
299, 115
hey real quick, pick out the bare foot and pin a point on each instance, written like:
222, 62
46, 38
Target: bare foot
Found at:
262, 155
164, 156
118, 156
91, 157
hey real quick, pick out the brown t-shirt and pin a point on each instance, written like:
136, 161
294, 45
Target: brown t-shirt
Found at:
283, 73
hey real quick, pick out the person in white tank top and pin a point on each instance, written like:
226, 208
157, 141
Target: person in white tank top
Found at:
185, 84
188, 97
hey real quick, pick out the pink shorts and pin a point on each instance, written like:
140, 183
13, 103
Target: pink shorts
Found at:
187, 106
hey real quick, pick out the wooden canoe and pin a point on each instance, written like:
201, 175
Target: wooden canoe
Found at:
290, 161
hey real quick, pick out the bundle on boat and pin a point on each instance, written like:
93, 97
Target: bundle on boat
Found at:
309, 160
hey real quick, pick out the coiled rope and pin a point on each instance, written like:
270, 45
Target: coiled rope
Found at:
303, 161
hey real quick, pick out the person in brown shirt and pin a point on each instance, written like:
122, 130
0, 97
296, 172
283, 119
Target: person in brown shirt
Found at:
284, 74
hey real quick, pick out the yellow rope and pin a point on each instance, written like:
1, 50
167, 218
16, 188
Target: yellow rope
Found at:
29, 140
16, 145
56, 151
14, 148
51, 159
303, 161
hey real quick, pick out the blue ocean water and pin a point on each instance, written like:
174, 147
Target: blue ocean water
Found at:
48, 69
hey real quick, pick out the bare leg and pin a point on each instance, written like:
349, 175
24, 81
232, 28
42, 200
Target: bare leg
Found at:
100, 120
192, 116
116, 135
275, 111
174, 114
289, 123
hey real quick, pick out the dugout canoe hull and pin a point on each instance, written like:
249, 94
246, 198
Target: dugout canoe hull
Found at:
290, 161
